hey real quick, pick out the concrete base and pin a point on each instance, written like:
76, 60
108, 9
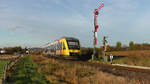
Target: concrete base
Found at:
105, 58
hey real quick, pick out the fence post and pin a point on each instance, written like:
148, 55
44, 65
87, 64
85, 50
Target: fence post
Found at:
7, 67
5, 74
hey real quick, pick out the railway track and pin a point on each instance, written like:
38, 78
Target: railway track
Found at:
6, 57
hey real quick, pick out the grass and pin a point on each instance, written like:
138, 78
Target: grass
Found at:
60, 72
138, 57
2, 65
25, 72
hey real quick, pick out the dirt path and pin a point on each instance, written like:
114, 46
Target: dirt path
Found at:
130, 66
0, 81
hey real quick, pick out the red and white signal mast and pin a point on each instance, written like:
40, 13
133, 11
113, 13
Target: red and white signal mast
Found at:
96, 12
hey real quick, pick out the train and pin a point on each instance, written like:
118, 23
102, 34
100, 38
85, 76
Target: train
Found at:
63, 47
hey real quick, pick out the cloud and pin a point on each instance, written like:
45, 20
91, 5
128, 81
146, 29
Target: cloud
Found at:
3, 6
118, 18
113, 16
47, 20
15, 27
124, 4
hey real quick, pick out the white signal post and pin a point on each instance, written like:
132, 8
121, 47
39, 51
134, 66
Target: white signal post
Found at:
95, 29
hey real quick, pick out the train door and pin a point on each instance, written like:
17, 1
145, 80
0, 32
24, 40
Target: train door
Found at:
65, 49
55, 49
61, 48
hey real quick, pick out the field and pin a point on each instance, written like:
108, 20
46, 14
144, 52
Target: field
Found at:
41, 70
60, 72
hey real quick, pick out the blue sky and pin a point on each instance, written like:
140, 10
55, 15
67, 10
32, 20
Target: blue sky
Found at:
35, 22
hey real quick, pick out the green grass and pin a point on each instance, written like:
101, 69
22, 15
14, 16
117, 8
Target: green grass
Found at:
26, 72
2, 65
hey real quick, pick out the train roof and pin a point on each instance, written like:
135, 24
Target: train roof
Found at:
67, 38
70, 38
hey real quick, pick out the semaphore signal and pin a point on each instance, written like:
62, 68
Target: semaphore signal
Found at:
96, 12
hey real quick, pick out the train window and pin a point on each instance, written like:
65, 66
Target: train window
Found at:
61, 46
58, 46
73, 43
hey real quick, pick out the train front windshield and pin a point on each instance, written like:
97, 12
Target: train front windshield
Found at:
73, 44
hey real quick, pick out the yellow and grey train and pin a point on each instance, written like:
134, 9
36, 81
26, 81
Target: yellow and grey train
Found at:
65, 47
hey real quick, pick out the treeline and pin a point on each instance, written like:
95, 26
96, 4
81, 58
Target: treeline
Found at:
132, 46
13, 50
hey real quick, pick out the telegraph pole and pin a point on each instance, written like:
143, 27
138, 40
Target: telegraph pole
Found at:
96, 12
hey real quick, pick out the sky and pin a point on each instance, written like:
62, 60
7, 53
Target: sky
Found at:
33, 23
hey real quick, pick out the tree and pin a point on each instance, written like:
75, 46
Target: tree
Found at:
118, 45
11, 50
17, 49
131, 45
